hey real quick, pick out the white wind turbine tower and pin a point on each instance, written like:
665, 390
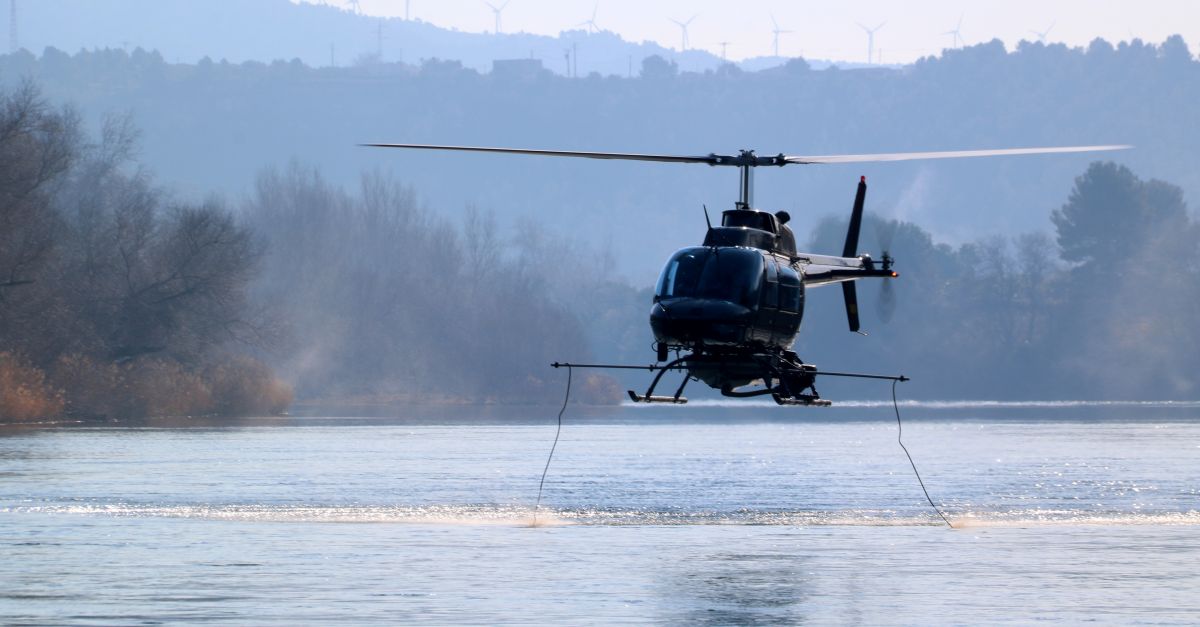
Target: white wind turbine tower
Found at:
776, 32
1041, 36
871, 41
723, 45
591, 24
683, 26
956, 34
497, 11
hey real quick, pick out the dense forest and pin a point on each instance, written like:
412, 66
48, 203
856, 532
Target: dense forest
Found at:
213, 248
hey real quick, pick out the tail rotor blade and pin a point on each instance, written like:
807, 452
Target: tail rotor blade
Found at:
885, 305
885, 232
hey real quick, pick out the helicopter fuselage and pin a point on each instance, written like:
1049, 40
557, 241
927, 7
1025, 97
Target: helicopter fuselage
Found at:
745, 286
736, 302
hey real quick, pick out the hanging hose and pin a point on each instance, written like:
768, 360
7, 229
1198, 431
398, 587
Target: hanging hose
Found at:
899, 440
549, 457
899, 433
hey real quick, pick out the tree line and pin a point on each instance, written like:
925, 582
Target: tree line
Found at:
1103, 309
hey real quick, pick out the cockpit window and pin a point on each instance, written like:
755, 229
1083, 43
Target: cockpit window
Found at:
752, 219
731, 274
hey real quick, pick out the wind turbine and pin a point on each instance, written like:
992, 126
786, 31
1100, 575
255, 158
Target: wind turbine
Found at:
497, 11
591, 24
684, 26
956, 34
723, 45
777, 32
1041, 36
871, 41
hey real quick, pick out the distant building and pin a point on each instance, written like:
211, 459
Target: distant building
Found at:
517, 68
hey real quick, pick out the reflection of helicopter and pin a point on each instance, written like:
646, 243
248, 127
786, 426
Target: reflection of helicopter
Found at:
733, 305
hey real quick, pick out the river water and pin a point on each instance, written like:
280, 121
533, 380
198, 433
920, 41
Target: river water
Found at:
715, 515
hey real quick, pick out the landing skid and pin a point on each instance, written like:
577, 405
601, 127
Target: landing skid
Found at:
638, 398
783, 376
808, 401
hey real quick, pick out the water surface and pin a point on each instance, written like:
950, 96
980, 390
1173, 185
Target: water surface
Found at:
720, 515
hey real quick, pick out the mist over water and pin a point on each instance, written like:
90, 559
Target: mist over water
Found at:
769, 516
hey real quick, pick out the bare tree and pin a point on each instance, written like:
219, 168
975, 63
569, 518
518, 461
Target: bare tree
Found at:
37, 146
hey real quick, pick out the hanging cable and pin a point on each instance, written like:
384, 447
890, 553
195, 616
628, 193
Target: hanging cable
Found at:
549, 457
899, 433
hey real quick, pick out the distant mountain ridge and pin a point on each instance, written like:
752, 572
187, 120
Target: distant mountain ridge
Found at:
186, 31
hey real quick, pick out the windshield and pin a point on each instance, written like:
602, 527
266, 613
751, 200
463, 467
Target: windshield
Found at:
731, 274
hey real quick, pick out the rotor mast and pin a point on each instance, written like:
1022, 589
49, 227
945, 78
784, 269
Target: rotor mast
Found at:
746, 189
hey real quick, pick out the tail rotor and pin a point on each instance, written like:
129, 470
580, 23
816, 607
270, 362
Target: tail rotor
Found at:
885, 304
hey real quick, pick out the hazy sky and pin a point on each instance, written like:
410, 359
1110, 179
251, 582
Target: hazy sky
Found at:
822, 28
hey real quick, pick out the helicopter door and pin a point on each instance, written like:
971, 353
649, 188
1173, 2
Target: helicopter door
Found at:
791, 302
768, 307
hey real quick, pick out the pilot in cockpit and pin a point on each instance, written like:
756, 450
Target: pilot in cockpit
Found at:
787, 239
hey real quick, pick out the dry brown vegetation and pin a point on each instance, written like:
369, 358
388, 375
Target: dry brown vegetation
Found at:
24, 394
79, 387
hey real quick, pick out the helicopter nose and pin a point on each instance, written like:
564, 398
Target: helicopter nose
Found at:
687, 320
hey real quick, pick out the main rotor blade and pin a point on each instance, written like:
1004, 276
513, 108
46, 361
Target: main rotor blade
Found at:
624, 156
951, 154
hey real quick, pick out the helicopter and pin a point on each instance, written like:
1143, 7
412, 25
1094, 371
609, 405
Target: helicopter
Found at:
730, 309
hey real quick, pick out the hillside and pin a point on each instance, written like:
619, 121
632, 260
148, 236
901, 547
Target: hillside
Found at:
214, 125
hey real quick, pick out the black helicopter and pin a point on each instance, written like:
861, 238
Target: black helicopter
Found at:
730, 309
